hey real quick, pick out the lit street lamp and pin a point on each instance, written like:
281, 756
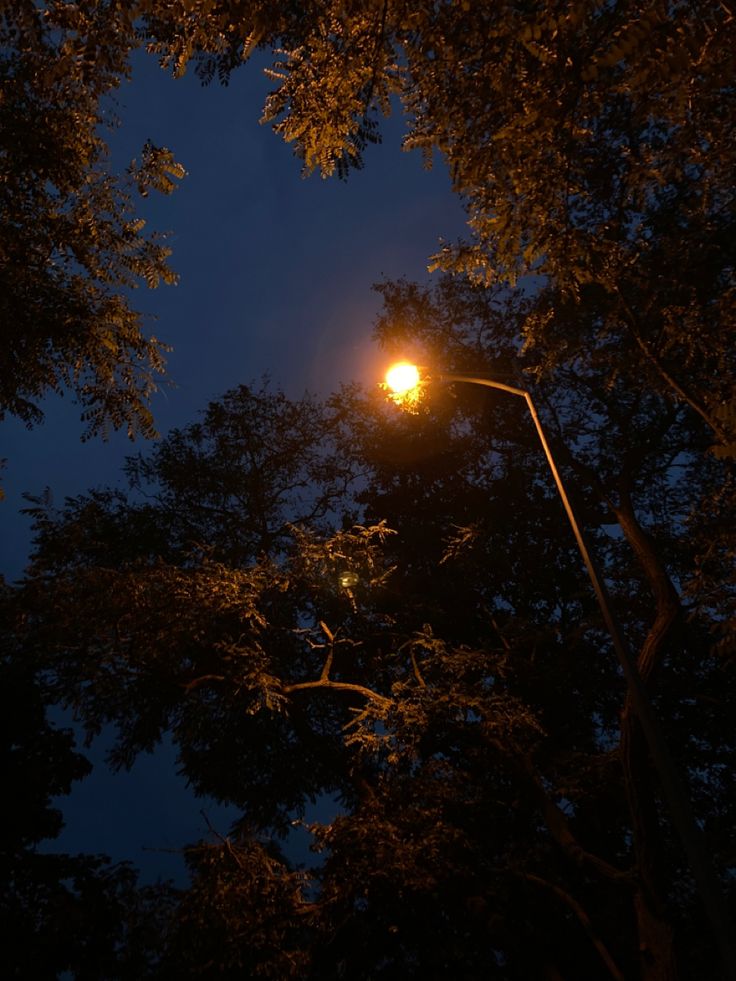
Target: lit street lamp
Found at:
404, 382
402, 377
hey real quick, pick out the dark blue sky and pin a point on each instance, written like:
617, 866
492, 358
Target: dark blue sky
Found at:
275, 277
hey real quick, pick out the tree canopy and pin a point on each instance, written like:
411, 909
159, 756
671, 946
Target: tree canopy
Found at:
592, 143
339, 601
71, 245
61, 913
336, 601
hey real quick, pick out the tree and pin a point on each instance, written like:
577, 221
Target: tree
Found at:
71, 246
61, 913
449, 684
638, 458
593, 146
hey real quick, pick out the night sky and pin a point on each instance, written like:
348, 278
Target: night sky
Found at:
275, 278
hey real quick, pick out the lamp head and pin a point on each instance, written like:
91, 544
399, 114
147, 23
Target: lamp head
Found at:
402, 377
404, 384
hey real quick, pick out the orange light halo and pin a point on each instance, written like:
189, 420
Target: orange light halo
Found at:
402, 377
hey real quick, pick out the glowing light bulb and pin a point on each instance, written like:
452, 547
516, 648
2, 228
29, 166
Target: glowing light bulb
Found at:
402, 377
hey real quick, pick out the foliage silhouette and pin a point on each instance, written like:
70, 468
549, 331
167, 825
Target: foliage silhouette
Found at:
459, 700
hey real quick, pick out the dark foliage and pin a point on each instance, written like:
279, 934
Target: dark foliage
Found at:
448, 682
60, 913
339, 601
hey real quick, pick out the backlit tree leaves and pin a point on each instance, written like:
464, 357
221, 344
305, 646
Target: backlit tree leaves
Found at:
593, 145
442, 676
71, 245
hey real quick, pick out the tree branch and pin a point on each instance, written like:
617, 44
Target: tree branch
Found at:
339, 686
203, 679
582, 917
557, 824
667, 601
325, 675
417, 672
632, 322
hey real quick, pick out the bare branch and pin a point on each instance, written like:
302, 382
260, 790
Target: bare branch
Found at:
417, 673
583, 918
557, 824
340, 686
203, 679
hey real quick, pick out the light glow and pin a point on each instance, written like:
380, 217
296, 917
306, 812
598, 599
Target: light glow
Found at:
402, 377
404, 385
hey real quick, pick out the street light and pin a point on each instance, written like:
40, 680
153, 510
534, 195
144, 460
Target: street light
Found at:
402, 377
399, 382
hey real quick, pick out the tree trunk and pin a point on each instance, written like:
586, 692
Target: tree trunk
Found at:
656, 948
656, 952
